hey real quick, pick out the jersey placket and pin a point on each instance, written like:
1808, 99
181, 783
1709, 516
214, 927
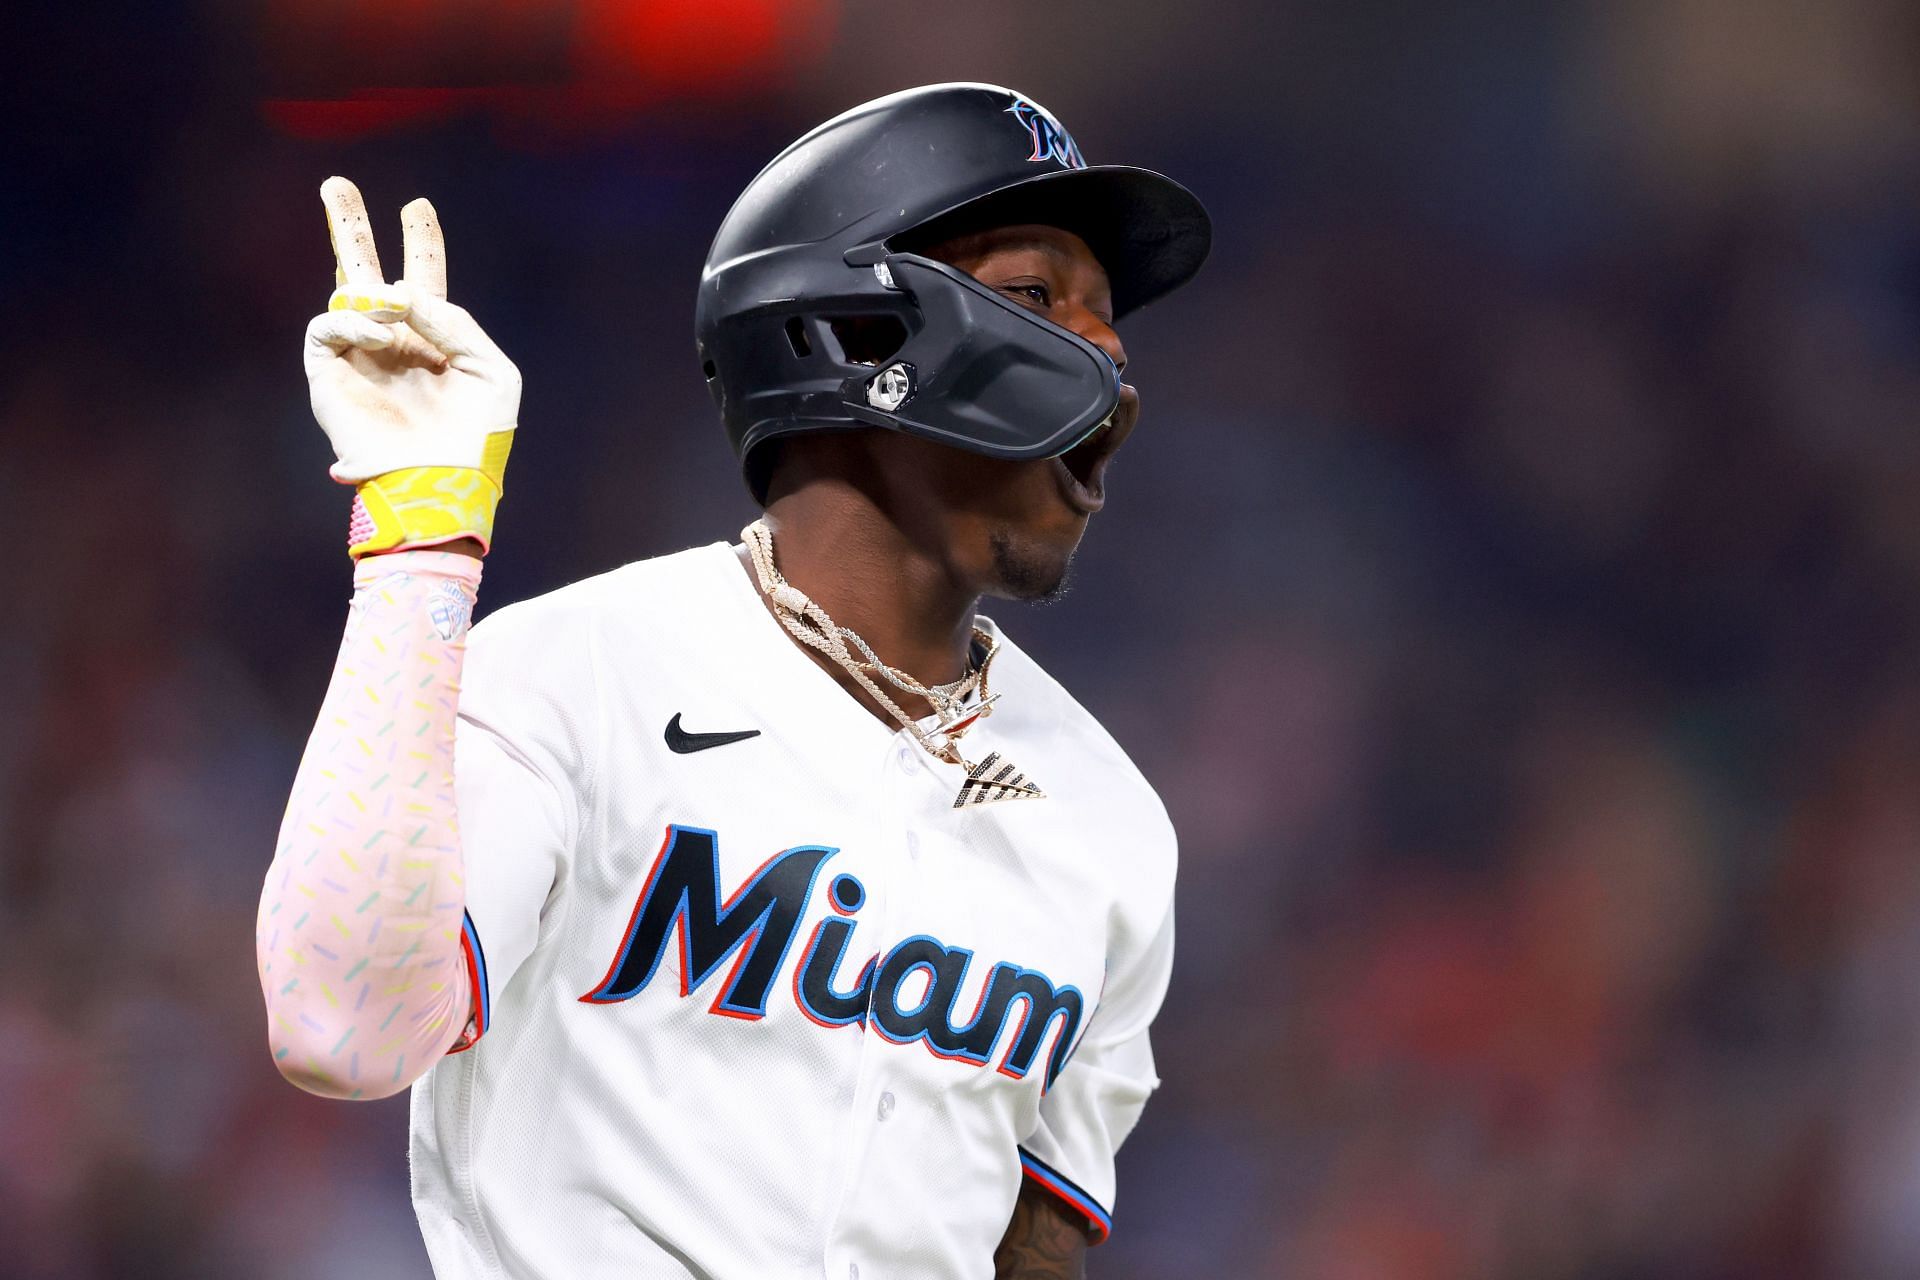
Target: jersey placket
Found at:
907, 782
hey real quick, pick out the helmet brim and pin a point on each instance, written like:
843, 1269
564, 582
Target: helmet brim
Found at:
1150, 233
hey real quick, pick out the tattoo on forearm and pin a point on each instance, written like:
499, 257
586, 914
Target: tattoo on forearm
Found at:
1042, 1242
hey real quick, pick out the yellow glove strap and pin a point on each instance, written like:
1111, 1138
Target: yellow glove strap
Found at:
426, 506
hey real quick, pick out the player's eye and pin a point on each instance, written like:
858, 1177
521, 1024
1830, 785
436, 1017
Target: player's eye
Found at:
1033, 292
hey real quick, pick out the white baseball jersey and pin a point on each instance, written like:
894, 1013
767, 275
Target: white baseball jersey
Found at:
755, 1000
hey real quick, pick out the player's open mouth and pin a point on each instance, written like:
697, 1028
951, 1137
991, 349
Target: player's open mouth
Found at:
1083, 469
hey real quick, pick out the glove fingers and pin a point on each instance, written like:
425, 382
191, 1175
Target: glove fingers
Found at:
386, 303
335, 332
449, 328
414, 349
356, 261
425, 247
332, 332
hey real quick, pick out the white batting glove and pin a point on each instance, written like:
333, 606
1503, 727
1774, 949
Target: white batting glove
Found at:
419, 403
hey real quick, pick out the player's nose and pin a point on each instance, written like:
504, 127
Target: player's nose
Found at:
1086, 324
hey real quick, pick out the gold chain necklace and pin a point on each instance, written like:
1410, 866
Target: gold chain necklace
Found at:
992, 779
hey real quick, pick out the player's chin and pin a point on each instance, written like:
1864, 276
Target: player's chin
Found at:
1029, 568
1033, 544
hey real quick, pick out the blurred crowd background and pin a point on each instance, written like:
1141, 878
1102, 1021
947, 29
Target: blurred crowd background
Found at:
1513, 590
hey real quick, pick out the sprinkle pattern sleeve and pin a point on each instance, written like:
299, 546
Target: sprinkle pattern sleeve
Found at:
365, 958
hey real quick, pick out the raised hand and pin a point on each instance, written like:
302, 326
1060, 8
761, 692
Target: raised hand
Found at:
403, 380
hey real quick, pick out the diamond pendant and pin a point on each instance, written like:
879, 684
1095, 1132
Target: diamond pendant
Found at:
994, 779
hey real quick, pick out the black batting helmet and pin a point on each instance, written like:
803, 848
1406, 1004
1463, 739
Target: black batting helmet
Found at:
816, 314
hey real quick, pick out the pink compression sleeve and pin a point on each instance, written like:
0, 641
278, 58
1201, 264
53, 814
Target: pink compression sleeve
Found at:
359, 938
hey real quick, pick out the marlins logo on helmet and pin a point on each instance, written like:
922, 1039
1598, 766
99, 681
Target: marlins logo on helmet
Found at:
1051, 141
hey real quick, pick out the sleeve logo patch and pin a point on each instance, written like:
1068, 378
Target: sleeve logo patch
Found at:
450, 611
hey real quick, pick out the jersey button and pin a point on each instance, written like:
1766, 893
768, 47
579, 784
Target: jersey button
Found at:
853, 1271
909, 758
913, 845
886, 1104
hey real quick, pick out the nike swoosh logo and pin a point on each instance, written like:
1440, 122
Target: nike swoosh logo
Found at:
684, 743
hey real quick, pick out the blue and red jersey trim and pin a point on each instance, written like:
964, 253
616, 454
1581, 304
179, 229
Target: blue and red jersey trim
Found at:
1099, 1221
476, 958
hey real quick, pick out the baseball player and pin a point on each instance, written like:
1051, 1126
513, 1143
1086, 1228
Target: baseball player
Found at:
760, 910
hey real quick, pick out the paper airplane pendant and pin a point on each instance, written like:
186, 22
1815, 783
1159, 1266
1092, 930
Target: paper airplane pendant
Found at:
994, 779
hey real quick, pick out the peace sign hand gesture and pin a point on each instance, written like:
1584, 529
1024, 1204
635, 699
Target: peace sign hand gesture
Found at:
401, 379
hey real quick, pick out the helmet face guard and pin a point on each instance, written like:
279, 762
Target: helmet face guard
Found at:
813, 316
991, 376
976, 371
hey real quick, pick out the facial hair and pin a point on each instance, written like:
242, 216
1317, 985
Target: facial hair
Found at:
1025, 574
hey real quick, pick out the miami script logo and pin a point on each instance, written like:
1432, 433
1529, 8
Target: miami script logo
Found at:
757, 926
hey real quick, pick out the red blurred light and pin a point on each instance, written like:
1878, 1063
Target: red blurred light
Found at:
366, 111
686, 44
564, 65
